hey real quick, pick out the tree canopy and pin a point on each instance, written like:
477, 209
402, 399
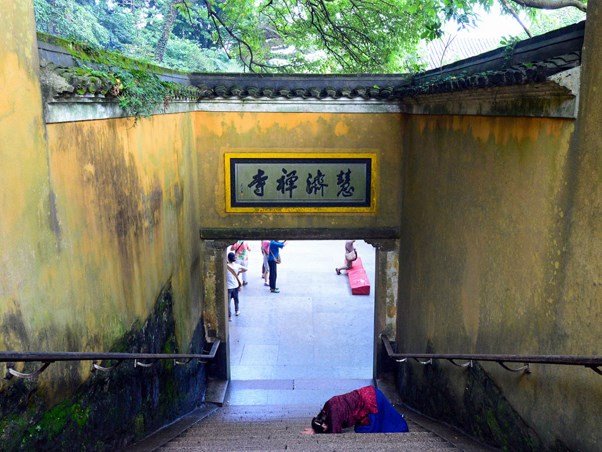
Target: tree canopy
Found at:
325, 36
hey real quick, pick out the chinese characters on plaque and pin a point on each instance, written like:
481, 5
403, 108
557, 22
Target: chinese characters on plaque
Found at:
312, 182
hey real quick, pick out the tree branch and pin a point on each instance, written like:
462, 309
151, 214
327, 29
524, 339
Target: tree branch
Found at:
240, 42
515, 15
552, 4
167, 27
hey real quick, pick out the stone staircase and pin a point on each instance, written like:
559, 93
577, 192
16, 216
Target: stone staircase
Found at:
270, 416
276, 428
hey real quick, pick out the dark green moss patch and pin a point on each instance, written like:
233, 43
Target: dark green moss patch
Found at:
483, 412
136, 85
83, 52
112, 409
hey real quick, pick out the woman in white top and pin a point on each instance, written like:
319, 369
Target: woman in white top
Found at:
242, 249
232, 271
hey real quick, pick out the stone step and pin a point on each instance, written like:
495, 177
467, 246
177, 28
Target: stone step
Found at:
314, 448
257, 429
195, 434
269, 428
343, 442
272, 428
256, 413
288, 442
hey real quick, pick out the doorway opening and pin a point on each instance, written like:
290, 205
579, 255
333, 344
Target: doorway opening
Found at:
314, 328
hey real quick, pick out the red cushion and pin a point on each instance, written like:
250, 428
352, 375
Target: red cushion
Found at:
358, 280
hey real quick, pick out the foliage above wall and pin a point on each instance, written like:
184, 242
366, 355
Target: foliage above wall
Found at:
136, 85
303, 36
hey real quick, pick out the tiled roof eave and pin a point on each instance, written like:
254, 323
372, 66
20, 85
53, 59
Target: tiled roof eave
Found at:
522, 74
558, 51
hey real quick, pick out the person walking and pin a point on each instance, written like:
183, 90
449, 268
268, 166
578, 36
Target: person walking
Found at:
273, 261
242, 249
350, 256
232, 271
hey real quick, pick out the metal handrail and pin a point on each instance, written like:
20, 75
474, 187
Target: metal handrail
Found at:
140, 359
591, 362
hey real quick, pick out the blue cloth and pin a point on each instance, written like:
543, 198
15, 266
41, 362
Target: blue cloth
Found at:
387, 420
275, 246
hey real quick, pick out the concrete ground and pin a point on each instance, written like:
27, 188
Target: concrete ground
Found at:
312, 340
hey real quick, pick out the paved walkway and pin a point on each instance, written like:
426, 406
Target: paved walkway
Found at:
308, 342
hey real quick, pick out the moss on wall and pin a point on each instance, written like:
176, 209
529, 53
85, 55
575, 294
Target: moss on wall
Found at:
110, 409
481, 409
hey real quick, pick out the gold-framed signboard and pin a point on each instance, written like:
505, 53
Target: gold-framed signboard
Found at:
300, 182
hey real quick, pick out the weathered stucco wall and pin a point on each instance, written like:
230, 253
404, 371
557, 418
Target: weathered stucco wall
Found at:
483, 267
25, 200
117, 234
117, 220
298, 132
580, 315
100, 252
127, 223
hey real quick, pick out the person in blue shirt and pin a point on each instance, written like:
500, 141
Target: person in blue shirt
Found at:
273, 261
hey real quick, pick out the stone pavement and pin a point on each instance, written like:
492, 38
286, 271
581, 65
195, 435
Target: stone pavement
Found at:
308, 342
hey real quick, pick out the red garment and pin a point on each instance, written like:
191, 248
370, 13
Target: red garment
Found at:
349, 409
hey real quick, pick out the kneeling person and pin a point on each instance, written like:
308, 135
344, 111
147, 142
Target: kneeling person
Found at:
366, 409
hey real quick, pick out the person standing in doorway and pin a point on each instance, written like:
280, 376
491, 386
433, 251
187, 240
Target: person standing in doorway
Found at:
232, 271
273, 261
350, 256
265, 268
242, 249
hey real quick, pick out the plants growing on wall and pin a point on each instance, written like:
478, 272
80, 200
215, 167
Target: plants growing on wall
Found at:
136, 85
